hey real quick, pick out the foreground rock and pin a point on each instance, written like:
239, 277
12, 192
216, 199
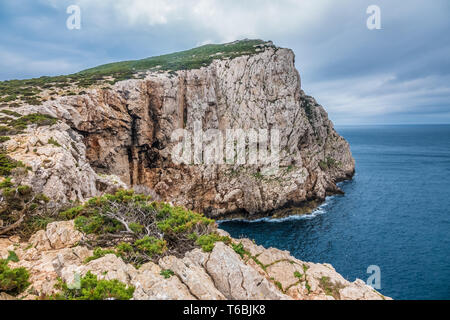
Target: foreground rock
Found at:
221, 274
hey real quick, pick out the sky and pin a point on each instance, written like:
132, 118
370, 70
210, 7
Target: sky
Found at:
398, 74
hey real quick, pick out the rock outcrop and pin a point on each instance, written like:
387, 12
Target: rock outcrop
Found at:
125, 132
224, 273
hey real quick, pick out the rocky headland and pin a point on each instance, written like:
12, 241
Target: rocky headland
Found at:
93, 134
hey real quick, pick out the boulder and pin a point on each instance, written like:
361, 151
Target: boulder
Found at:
236, 280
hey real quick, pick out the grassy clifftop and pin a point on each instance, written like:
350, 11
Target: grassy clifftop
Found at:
34, 91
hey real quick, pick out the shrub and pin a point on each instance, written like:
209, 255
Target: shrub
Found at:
6, 183
207, 241
328, 163
178, 219
22, 211
13, 281
34, 118
142, 229
97, 224
239, 249
11, 113
151, 246
53, 142
167, 273
330, 288
71, 213
91, 288
99, 253
7, 164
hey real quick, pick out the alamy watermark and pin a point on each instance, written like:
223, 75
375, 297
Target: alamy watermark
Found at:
374, 279
259, 147
374, 20
74, 20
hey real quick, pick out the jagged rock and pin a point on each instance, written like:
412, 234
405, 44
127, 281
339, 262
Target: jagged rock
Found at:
58, 235
151, 285
236, 280
63, 234
40, 241
194, 277
306, 280
358, 290
57, 157
221, 274
4, 247
108, 267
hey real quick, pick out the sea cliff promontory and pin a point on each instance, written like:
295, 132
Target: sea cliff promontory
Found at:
94, 189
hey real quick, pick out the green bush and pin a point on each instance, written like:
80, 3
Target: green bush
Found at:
6, 183
239, 249
328, 163
97, 224
4, 139
71, 213
90, 288
207, 241
178, 219
99, 253
53, 142
144, 229
7, 164
34, 118
21, 201
167, 273
13, 281
11, 113
151, 246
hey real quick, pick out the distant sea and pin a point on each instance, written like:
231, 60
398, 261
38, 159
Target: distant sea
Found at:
395, 214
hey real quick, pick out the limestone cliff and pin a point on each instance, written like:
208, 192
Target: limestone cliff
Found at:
109, 137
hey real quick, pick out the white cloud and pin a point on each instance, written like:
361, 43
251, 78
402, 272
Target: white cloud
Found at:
226, 20
378, 96
34, 66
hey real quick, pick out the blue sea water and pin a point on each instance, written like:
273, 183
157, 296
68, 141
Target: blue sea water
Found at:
395, 214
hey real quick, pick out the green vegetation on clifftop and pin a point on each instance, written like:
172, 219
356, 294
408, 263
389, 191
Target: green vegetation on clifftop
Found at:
30, 91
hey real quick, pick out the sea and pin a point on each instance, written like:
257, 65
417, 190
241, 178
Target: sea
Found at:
393, 221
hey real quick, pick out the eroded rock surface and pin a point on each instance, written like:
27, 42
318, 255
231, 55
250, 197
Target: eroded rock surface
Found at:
221, 274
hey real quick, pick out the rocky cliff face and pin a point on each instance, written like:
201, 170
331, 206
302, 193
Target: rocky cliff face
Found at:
121, 135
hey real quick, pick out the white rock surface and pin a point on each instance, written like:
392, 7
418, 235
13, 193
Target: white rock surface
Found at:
220, 274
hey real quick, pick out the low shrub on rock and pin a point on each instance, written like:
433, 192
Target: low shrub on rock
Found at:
90, 288
13, 281
22, 211
139, 229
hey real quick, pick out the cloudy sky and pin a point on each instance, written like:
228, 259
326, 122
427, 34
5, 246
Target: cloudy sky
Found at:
398, 74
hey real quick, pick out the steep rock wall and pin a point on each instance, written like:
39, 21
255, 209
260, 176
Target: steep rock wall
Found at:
127, 133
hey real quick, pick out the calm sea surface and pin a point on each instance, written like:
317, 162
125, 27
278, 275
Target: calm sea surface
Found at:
395, 214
